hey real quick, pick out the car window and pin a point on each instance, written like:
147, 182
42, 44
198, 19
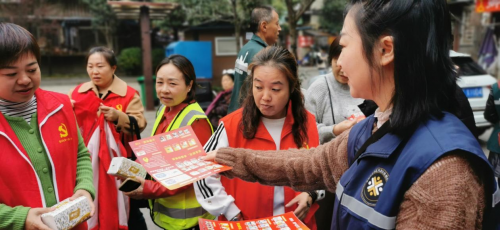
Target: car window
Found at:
467, 66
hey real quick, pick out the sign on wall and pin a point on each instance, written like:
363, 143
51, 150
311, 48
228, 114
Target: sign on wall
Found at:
487, 6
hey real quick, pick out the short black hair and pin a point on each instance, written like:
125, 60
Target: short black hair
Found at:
335, 50
107, 53
15, 41
187, 69
424, 76
230, 75
260, 14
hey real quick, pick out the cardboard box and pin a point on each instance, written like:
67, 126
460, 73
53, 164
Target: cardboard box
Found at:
68, 214
121, 166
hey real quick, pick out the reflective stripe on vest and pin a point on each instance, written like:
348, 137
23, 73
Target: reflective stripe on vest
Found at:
365, 211
185, 117
182, 210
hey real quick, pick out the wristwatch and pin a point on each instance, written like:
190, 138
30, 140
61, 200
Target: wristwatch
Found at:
235, 218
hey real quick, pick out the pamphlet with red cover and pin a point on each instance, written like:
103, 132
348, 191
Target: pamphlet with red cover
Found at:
287, 221
172, 158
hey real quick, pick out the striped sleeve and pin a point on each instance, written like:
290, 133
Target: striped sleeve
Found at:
210, 193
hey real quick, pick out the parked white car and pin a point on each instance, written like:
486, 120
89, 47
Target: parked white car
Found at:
475, 83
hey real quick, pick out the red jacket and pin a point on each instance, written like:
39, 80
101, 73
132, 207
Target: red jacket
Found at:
245, 193
19, 182
111, 205
87, 104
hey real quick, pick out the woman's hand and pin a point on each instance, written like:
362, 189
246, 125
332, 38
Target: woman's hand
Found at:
138, 193
210, 156
110, 113
304, 202
343, 126
84, 193
33, 220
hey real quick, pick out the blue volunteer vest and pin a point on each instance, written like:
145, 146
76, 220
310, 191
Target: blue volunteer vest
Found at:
371, 191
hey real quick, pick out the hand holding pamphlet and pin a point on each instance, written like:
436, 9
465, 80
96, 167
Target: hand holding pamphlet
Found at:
287, 221
172, 158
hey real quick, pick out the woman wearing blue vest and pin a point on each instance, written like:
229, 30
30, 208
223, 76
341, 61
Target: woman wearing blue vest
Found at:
175, 87
411, 165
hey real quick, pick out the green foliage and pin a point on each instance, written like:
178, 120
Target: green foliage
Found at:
130, 59
245, 8
195, 12
102, 14
332, 16
157, 55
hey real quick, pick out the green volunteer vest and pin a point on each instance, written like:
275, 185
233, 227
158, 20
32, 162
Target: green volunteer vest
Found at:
182, 210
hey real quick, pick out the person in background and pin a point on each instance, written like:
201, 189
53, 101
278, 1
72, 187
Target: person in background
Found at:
175, 87
218, 108
264, 23
44, 158
273, 117
397, 168
121, 105
491, 114
321, 61
329, 99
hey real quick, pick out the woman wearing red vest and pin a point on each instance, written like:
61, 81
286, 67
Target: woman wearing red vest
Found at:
176, 89
44, 158
273, 117
121, 107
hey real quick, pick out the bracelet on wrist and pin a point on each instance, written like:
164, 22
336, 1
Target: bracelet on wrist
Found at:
313, 195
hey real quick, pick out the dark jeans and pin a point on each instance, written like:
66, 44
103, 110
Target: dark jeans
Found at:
136, 219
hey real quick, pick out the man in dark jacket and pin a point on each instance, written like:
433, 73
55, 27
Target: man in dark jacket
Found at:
265, 26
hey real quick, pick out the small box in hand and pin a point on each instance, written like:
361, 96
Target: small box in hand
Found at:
68, 214
121, 166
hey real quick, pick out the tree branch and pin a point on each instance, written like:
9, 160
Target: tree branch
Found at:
303, 7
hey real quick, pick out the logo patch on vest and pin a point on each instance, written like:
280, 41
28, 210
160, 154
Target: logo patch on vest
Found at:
374, 186
63, 133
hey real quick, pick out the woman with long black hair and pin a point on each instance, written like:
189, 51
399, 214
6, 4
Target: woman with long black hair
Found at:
411, 165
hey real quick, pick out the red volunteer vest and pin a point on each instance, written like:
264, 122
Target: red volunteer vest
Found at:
253, 199
87, 105
19, 182
109, 212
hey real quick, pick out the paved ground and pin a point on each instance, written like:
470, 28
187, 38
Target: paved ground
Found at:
65, 85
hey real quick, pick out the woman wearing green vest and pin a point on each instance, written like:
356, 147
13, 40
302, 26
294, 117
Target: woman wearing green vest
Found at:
175, 87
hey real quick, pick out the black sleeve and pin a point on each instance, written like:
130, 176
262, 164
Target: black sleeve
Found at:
490, 113
464, 112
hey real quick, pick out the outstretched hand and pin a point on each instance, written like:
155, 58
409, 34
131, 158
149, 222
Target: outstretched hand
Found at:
303, 201
210, 156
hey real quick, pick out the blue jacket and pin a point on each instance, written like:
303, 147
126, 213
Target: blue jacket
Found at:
371, 191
